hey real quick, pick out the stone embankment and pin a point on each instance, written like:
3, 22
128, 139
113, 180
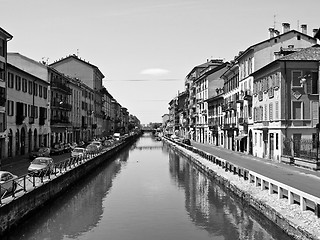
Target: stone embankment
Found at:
259, 195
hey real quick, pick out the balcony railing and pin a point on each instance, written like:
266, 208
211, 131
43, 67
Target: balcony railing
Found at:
61, 86
62, 120
242, 120
61, 105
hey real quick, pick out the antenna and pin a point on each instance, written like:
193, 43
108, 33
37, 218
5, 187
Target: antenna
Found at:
77, 52
274, 21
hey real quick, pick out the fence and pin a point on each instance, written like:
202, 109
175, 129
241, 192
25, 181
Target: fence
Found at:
300, 148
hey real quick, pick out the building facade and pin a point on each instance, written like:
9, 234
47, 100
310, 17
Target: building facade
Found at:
4, 38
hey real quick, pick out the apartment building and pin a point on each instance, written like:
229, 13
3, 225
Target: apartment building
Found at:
206, 85
215, 117
75, 116
90, 75
28, 123
4, 38
286, 106
31, 109
61, 125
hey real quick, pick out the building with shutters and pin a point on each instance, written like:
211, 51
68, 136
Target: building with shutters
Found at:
286, 106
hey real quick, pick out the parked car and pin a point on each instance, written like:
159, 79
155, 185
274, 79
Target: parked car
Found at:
92, 148
73, 145
57, 149
67, 147
98, 144
81, 144
40, 152
7, 182
41, 166
174, 137
186, 141
78, 152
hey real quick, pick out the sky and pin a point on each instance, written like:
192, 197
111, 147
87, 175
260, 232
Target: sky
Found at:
146, 48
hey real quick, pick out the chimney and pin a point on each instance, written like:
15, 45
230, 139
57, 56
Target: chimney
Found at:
276, 32
285, 27
271, 31
304, 28
314, 31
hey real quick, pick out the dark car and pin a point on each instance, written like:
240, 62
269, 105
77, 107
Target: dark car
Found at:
40, 152
67, 147
186, 141
57, 149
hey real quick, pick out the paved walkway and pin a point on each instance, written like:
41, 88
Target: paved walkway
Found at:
300, 178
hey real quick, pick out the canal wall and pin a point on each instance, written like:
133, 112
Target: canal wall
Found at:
255, 204
19, 209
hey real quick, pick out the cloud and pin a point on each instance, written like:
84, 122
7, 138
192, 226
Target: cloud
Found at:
154, 71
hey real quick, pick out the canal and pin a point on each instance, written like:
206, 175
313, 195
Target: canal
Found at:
146, 192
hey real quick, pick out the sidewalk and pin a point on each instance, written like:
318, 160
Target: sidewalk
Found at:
304, 179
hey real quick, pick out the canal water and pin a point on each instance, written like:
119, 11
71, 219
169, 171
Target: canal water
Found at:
146, 192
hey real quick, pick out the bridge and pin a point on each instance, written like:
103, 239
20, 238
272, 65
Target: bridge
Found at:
148, 129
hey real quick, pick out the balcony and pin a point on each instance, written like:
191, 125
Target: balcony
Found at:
61, 105
60, 120
204, 112
242, 121
61, 86
229, 126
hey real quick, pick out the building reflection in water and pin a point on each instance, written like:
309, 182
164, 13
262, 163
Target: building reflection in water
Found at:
78, 211
210, 208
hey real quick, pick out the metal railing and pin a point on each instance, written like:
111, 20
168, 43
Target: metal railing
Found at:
14, 188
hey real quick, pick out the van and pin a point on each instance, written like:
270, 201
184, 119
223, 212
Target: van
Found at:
116, 136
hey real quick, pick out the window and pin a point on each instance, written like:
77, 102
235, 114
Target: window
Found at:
40, 91
298, 37
18, 83
277, 111
297, 110
2, 47
24, 85
314, 82
10, 80
277, 141
35, 89
296, 75
45, 93
271, 111
10, 108
265, 112
260, 139
30, 87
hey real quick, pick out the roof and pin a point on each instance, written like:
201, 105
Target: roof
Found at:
257, 44
8, 35
205, 65
306, 54
73, 56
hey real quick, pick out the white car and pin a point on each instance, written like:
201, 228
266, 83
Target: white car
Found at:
77, 152
41, 166
7, 182
98, 144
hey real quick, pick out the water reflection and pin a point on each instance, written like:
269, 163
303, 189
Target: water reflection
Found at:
77, 211
210, 208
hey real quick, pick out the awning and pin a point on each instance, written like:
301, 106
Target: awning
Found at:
240, 137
